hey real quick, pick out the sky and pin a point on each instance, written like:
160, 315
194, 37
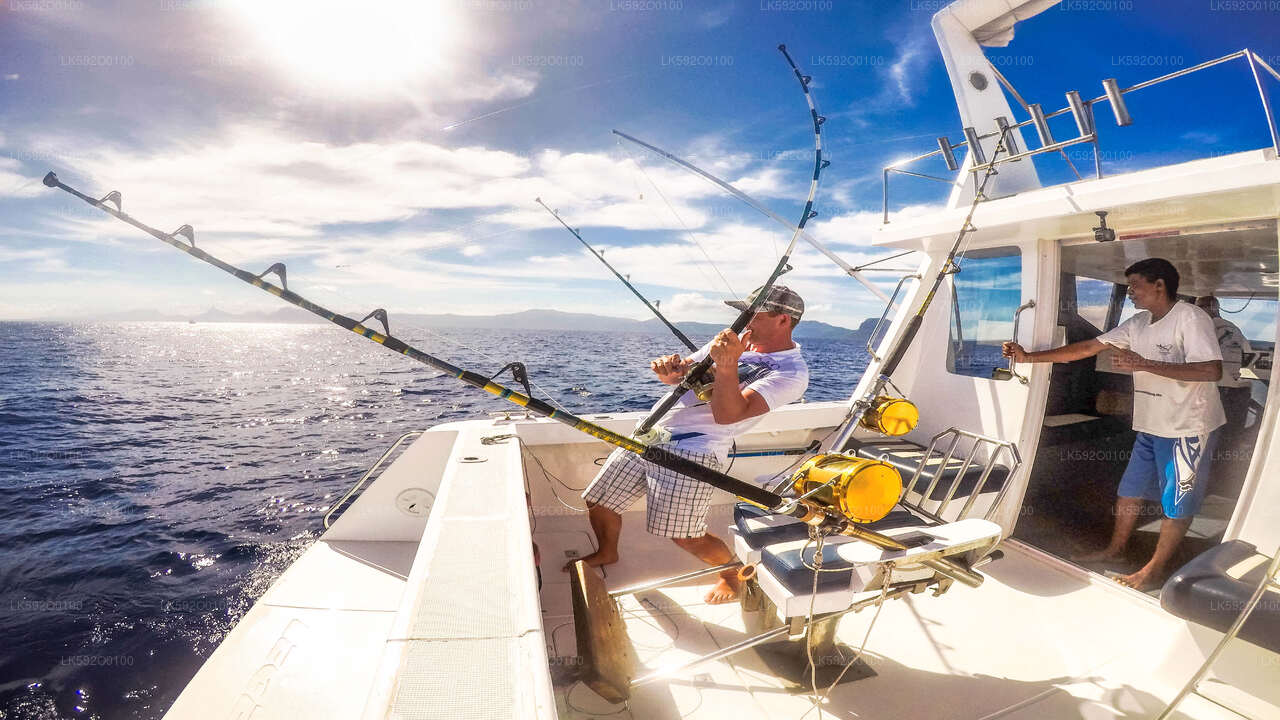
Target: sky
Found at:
389, 153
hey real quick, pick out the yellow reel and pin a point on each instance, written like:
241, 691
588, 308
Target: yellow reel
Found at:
891, 416
863, 490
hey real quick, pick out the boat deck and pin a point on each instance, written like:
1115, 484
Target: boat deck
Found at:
1033, 642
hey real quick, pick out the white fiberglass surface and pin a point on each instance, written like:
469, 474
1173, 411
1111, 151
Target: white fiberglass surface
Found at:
1033, 641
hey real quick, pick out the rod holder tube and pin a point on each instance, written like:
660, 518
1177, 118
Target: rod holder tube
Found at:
1115, 96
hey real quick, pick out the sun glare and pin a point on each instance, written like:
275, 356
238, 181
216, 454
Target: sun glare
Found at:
348, 48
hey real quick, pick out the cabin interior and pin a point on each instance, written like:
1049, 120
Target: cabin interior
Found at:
1086, 435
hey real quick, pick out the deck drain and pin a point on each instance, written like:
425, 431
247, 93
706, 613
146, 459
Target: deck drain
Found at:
473, 459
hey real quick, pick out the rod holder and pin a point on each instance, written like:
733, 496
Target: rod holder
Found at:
1081, 113
1116, 97
975, 147
948, 153
1042, 124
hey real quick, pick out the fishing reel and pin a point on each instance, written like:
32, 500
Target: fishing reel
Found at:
890, 416
857, 489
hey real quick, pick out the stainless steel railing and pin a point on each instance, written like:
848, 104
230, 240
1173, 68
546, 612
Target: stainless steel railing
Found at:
1083, 109
992, 448
368, 473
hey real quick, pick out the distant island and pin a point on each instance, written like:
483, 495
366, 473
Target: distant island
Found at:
524, 320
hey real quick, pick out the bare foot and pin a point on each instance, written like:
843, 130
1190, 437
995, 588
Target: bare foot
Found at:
1103, 554
595, 559
1142, 580
725, 591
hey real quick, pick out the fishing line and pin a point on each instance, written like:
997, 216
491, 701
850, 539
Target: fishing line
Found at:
688, 233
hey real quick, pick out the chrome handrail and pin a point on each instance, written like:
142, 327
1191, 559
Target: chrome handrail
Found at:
889, 306
1251, 57
372, 469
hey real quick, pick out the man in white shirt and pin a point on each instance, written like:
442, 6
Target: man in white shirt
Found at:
1235, 391
1175, 359
753, 374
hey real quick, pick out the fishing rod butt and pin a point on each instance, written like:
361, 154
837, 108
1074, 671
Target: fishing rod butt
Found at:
51, 179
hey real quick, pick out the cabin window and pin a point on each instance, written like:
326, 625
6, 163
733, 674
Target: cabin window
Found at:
1093, 300
985, 294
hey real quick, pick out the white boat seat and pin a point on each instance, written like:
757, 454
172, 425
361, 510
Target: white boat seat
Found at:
785, 579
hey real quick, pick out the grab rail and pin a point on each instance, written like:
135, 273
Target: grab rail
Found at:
876, 330
374, 468
997, 447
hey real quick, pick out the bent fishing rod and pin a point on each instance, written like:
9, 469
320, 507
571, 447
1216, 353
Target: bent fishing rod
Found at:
806, 511
645, 430
683, 338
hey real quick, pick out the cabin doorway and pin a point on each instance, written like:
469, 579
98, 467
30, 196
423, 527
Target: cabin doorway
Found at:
1087, 436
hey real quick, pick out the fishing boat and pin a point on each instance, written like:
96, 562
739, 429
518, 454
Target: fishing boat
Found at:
436, 590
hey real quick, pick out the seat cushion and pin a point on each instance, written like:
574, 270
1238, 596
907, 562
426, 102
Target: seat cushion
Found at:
791, 568
760, 528
777, 536
906, 455
1214, 588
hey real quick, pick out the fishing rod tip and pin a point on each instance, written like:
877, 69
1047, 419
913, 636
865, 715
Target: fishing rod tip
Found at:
51, 179
782, 47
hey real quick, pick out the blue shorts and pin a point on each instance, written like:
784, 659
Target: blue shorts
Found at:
1171, 471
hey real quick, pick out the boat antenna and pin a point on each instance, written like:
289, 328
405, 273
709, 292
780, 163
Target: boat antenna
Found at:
625, 281
646, 429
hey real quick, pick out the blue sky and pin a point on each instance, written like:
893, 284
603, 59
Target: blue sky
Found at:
390, 153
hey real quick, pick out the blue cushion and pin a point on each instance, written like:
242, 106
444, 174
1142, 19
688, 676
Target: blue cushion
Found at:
757, 538
787, 567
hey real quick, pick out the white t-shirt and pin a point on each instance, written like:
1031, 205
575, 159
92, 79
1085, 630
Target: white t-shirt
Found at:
1233, 344
778, 377
1162, 406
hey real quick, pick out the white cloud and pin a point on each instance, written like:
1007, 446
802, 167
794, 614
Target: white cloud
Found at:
14, 183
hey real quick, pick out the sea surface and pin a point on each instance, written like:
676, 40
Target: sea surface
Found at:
155, 478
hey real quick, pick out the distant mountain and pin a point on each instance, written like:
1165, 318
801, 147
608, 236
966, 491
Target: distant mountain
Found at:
524, 320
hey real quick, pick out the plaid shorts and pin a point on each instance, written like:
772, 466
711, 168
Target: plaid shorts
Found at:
676, 505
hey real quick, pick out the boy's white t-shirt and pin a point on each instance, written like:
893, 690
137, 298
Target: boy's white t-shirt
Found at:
1162, 406
778, 377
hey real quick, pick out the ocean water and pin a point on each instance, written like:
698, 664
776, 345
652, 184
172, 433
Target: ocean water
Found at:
155, 478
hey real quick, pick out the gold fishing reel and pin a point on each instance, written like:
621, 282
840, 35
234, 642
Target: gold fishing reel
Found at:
861, 490
891, 416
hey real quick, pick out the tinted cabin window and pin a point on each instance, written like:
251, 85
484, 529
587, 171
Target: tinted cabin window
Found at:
1093, 298
985, 294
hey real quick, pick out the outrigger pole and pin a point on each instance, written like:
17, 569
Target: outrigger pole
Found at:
683, 338
805, 510
697, 371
